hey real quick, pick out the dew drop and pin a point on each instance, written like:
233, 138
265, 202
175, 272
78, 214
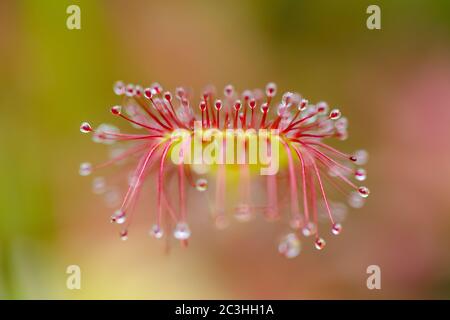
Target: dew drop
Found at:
237, 105
119, 88
85, 169
124, 235
99, 185
148, 93
156, 232
116, 110
271, 89
129, 90
202, 105
286, 98
85, 127
180, 92
360, 174
201, 185
157, 88
168, 96
303, 105
337, 229
309, 229
118, 217
361, 157
335, 114
264, 107
319, 243
182, 231
243, 213
138, 91
218, 104
363, 192
228, 91
322, 107
289, 246
247, 94
252, 104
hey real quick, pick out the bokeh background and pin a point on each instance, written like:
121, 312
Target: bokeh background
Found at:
393, 84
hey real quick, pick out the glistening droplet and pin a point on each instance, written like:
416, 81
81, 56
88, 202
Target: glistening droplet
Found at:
337, 229
124, 235
289, 246
182, 231
364, 192
156, 232
85, 127
271, 89
319, 243
309, 229
335, 114
201, 185
360, 174
119, 88
243, 213
361, 157
85, 169
118, 217
99, 185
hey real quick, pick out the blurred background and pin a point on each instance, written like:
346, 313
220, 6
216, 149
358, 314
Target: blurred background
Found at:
393, 85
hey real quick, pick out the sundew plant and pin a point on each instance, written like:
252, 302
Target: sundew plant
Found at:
232, 131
